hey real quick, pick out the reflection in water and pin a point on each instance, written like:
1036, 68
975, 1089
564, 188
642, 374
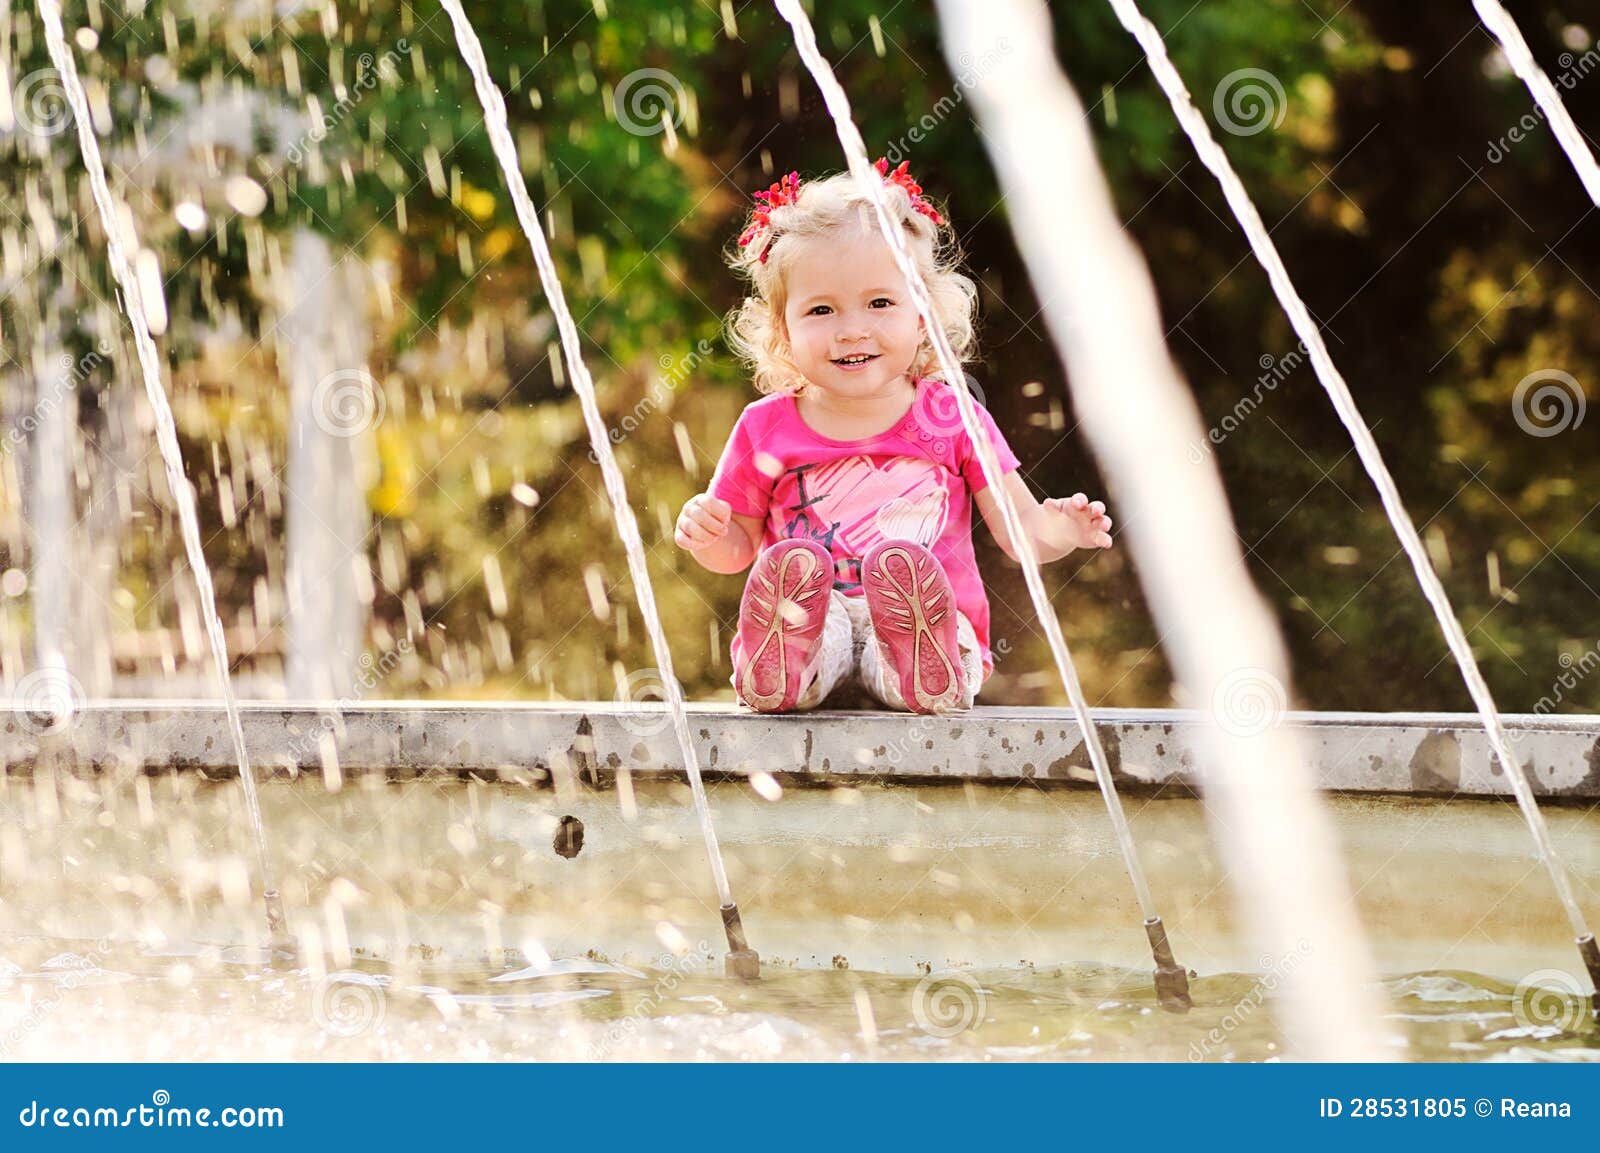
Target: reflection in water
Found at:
198, 1002
436, 920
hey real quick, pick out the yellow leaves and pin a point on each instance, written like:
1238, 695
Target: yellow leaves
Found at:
1541, 493
476, 202
1350, 216
1523, 551
592, 259
1311, 113
1484, 292
1570, 302
498, 242
1327, 203
395, 493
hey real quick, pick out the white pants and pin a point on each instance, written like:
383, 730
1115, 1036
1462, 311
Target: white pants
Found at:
849, 645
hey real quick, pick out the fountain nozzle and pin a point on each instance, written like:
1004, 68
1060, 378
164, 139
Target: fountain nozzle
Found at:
1172, 979
1590, 952
741, 961
281, 940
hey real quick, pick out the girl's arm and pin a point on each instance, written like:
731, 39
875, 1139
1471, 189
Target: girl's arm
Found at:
1056, 527
719, 538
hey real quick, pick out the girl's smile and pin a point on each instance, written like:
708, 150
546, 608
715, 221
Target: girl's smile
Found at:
855, 360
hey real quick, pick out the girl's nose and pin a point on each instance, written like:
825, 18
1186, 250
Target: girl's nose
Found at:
853, 327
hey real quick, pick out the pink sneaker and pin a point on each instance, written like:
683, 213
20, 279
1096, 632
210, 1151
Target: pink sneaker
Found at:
914, 616
780, 623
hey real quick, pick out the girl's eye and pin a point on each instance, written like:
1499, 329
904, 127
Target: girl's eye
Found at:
882, 302
818, 310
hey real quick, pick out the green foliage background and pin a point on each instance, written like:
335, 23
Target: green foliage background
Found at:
1442, 278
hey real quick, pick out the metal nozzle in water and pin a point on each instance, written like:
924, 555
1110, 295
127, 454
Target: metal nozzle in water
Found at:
1591, 961
741, 961
1172, 979
276, 928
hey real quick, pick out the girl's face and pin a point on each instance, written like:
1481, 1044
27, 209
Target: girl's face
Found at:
853, 330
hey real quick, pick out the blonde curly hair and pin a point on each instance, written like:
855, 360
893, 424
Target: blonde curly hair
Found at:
755, 329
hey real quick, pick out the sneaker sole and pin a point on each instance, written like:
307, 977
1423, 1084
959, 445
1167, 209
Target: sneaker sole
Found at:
780, 623
913, 613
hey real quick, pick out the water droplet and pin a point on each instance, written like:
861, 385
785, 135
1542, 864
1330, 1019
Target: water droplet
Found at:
245, 196
190, 216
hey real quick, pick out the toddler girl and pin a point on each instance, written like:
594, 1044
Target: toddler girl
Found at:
848, 483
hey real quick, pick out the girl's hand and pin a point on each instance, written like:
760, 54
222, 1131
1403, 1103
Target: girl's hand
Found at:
703, 522
1085, 520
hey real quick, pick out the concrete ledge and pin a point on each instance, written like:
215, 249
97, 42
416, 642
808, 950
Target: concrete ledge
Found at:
1439, 753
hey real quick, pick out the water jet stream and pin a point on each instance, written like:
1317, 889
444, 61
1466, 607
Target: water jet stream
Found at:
1505, 30
742, 961
1266, 252
133, 307
1100, 305
1172, 979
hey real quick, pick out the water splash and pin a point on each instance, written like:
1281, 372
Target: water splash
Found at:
1499, 21
871, 183
166, 428
1244, 210
1100, 304
505, 150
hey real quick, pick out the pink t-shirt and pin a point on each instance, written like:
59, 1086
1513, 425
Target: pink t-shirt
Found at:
912, 482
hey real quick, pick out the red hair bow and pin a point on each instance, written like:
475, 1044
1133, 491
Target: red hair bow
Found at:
785, 191
914, 190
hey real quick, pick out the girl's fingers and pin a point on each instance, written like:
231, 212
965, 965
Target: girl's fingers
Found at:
702, 535
690, 533
709, 525
708, 507
1090, 516
1089, 513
